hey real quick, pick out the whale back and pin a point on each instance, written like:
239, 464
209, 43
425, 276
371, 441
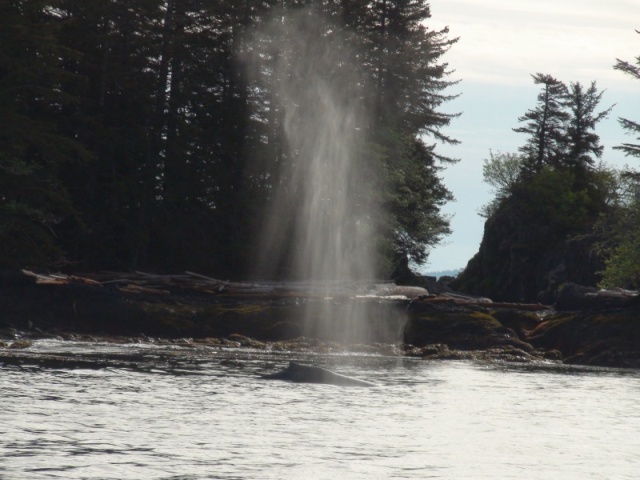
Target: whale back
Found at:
299, 373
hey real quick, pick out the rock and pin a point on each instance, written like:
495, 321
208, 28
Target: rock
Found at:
433, 350
494, 354
283, 330
509, 354
434, 285
459, 328
521, 322
246, 341
608, 354
608, 337
572, 297
9, 333
20, 344
578, 297
520, 261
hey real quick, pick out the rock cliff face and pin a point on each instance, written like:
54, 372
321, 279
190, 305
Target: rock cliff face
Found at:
525, 262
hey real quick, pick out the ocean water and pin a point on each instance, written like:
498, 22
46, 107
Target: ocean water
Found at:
166, 412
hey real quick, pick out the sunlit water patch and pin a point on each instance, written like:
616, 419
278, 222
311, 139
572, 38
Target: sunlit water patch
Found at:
181, 413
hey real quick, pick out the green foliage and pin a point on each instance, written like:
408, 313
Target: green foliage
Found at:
614, 187
551, 199
622, 268
621, 245
501, 171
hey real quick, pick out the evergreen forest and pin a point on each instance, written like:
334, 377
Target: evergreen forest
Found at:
147, 134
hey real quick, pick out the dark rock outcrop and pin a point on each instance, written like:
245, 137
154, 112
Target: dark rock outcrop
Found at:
519, 262
460, 328
604, 337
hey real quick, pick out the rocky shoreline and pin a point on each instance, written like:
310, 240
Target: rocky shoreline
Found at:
444, 326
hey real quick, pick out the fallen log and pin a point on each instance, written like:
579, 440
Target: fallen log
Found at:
139, 289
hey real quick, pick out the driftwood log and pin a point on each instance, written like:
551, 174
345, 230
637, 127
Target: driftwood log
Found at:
149, 283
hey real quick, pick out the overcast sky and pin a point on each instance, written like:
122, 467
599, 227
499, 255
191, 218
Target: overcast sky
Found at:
503, 42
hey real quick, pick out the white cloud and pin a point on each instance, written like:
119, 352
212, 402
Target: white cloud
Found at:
503, 41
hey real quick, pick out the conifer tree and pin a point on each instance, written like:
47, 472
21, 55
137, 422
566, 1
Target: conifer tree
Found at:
408, 80
582, 141
632, 127
35, 98
545, 125
117, 45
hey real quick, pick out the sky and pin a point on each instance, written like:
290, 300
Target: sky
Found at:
502, 43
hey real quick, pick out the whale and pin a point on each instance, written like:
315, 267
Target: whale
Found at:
299, 373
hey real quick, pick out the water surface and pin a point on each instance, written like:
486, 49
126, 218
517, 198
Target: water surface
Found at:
192, 414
